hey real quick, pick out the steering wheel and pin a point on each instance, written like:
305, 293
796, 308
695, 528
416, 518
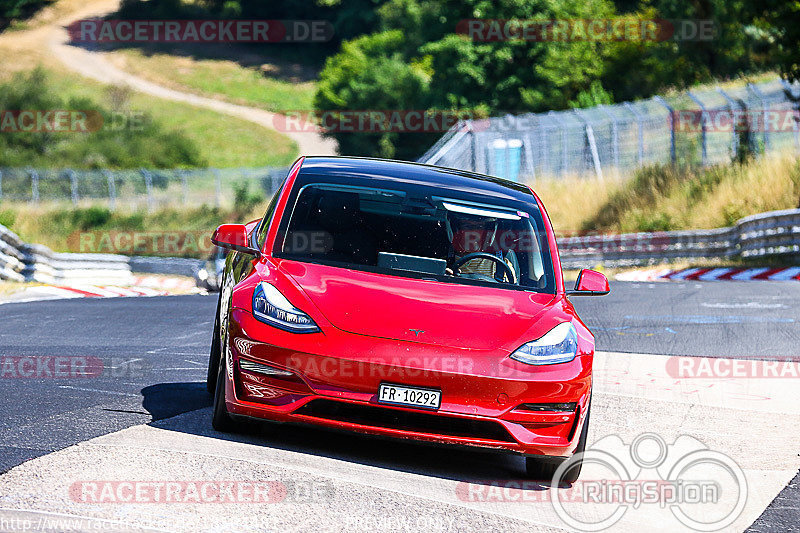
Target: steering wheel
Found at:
483, 255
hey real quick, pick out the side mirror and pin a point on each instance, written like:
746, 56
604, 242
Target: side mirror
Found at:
590, 283
234, 237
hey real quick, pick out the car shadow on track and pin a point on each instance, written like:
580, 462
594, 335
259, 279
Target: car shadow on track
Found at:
181, 407
167, 400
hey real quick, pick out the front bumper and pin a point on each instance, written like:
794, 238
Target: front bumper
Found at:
335, 378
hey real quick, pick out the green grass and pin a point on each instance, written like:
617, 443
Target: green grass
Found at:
221, 79
96, 229
223, 141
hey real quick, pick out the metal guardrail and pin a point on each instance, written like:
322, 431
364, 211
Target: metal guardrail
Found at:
771, 234
34, 262
774, 235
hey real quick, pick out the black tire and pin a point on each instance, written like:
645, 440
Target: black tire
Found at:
213, 359
221, 420
544, 469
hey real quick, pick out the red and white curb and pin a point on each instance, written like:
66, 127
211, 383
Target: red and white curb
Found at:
712, 274
141, 286
97, 291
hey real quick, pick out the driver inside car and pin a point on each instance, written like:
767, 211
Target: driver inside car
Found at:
470, 234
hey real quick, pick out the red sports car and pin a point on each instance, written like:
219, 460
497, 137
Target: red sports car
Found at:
405, 300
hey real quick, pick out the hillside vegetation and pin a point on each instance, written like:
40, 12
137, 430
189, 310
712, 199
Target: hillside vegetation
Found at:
61, 229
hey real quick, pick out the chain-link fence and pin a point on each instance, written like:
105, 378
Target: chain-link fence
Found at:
694, 128
137, 189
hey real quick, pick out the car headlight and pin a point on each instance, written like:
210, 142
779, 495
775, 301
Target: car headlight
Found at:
272, 307
559, 345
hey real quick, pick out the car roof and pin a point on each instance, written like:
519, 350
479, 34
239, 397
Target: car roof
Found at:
365, 167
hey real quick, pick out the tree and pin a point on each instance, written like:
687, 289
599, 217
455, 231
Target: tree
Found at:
421, 61
780, 19
371, 74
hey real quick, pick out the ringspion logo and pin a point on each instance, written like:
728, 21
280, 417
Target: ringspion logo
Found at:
685, 483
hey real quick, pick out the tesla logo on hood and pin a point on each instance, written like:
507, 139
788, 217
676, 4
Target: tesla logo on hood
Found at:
416, 332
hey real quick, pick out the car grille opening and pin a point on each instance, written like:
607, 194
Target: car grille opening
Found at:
368, 415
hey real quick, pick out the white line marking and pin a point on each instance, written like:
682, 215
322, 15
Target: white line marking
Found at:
125, 363
160, 351
101, 391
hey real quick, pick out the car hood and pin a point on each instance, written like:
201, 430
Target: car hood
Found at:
426, 311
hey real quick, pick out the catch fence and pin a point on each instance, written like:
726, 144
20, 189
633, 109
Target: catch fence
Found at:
693, 128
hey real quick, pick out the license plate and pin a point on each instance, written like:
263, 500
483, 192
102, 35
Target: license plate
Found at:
413, 396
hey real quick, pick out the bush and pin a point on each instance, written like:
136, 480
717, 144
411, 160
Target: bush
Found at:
244, 201
661, 198
91, 217
147, 145
7, 218
371, 74
647, 185
417, 61
15, 9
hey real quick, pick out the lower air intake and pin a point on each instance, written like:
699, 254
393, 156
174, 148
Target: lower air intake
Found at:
380, 417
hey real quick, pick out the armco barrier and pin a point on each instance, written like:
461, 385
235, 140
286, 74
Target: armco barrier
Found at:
34, 262
771, 234
179, 266
775, 233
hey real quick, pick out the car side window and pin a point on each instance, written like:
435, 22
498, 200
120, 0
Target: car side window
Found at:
263, 226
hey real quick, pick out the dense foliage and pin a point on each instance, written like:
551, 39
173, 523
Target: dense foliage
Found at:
16, 9
453, 72
408, 54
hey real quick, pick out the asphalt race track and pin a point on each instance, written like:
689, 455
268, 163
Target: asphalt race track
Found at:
145, 416
154, 351
741, 319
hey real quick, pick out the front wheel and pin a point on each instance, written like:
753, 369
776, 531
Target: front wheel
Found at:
214, 355
544, 468
221, 420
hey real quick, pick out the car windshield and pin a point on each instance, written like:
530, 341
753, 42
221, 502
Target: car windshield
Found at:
420, 232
